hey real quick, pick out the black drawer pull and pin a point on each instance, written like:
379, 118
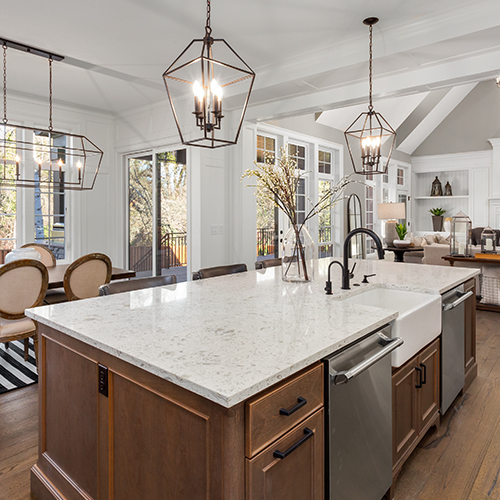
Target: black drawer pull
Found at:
300, 403
424, 381
419, 383
283, 454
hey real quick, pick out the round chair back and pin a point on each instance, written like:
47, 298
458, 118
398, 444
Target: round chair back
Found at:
85, 275
23, 284
48, 257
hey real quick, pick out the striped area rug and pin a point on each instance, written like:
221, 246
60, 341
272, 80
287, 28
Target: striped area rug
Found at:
14, 371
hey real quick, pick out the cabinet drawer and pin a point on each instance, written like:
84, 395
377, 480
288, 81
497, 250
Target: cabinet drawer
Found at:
299, 474
299, 396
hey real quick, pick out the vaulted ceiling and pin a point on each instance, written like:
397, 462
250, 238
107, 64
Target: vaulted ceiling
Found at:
308, 56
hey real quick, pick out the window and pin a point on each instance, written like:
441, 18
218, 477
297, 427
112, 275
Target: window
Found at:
325, 247
49, 195
299, 154
369, 193
401, 177
301, 201
8, 200
265, 145
267, 212
324, 162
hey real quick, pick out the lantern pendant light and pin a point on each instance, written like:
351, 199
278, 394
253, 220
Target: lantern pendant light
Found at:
213, 71
369, 131
31, 157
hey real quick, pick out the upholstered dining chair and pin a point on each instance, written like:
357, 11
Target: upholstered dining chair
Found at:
23, 284
211, 272
136, 284
48, 257
85, 275
264, 263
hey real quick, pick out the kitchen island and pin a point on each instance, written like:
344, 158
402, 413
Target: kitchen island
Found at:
162, 393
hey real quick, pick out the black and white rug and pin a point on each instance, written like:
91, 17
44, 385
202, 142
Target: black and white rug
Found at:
14, 371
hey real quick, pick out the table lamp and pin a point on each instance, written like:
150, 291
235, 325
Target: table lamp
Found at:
391, 212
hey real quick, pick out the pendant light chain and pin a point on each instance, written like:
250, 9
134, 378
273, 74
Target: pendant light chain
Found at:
50, 94
370, 107
208, 29
4, 83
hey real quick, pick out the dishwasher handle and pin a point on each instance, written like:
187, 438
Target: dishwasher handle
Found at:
344, 376
451, 305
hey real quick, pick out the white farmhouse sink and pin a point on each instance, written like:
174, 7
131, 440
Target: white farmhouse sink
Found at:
418, 322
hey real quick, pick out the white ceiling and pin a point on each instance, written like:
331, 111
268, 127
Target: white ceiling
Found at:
312, 53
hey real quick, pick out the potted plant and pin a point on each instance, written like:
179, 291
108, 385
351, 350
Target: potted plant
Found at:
402, 231
437, 218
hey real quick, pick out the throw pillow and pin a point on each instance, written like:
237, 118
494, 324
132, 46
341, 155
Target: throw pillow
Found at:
442, 240
430, 238
419, 241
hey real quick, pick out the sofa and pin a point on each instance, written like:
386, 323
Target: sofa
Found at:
435, 246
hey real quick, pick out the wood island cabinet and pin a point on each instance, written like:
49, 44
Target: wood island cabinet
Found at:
112, 431
415, 401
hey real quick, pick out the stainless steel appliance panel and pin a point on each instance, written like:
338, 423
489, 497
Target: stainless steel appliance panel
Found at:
359, 409
453, 346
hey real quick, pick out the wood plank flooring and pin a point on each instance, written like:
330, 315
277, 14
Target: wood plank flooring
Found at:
459, 461
18, 441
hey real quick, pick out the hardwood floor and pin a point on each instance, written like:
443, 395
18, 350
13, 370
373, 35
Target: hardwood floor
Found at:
18, 441
459, 461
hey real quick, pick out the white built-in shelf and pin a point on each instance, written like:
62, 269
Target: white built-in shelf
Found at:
463, 196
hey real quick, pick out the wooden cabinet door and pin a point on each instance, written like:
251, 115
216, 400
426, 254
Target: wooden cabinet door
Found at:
428, 394
404, 410
470, 334
299, 475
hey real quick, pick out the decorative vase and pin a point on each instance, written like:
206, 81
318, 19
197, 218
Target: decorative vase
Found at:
437, 223
297, 255
22, 253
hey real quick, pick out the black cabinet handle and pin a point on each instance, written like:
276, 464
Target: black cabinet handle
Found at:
419, 384
300, 403
283, 454
424, 381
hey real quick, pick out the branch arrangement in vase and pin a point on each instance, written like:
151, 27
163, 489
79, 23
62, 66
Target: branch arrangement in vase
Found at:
278, 179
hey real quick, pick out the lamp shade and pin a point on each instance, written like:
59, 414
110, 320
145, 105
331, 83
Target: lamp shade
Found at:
390, 211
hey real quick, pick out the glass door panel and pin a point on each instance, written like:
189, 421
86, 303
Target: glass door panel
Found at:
171, 226
141, 180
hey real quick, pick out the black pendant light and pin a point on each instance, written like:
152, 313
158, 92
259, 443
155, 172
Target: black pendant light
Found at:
31, 157
369, 131
212, 71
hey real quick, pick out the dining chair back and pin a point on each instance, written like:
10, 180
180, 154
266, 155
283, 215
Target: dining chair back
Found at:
136, 284
85, 275
48, 257
23, 284
212, 272
265, 263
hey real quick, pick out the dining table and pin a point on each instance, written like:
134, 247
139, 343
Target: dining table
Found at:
56, 275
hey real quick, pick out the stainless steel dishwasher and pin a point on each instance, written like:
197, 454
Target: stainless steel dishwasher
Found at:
359, 423
453, 345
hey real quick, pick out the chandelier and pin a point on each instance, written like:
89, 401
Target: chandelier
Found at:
30, 157
213, 71
366, 135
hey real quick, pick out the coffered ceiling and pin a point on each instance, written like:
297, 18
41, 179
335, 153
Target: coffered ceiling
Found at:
308, 56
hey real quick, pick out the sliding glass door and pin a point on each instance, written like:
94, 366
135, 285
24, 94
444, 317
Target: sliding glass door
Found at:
158, 214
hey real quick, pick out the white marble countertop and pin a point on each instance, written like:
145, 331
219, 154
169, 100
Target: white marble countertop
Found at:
230, 337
